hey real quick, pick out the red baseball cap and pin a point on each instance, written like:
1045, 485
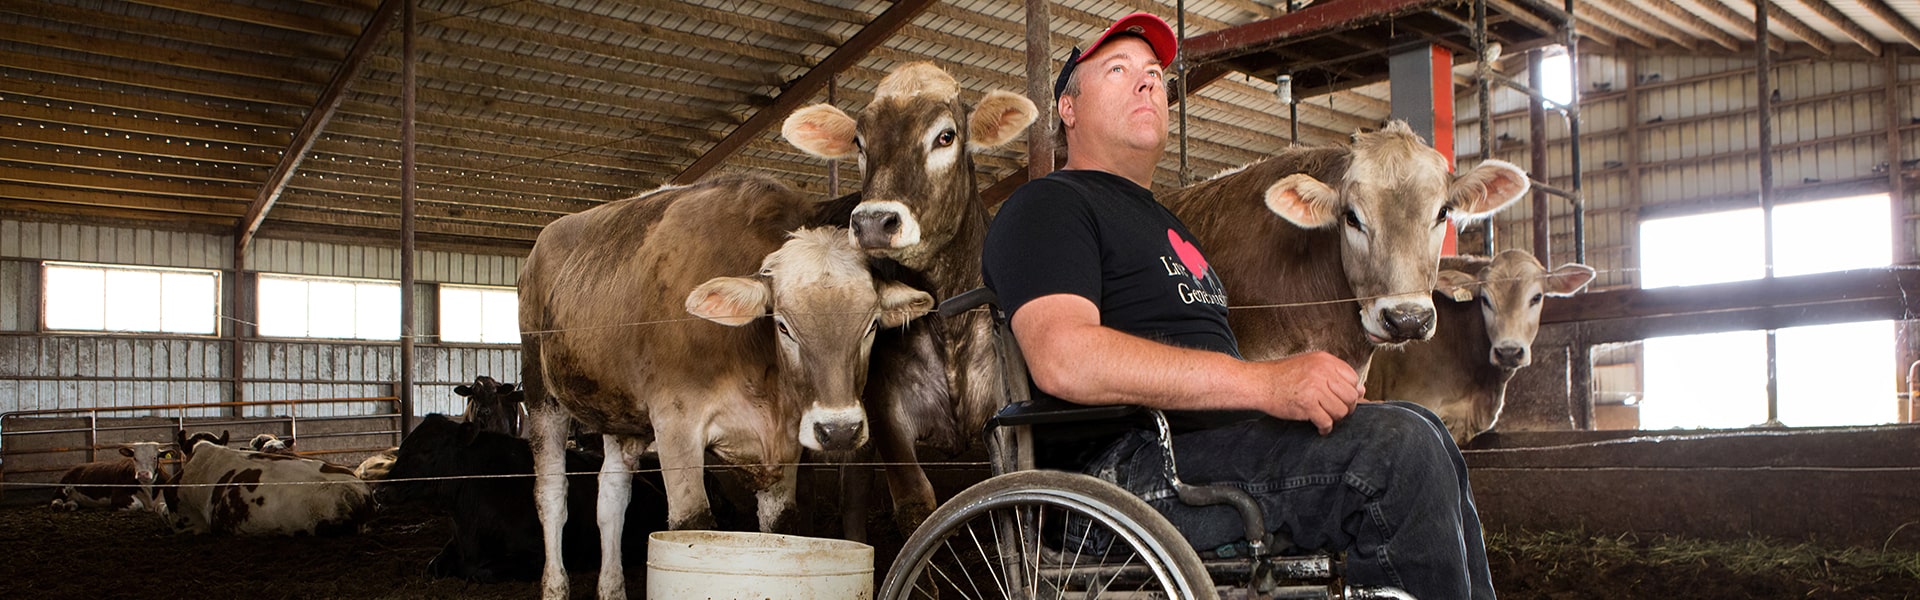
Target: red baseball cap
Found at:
1148, 26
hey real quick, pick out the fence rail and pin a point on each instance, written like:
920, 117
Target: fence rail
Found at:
16, 438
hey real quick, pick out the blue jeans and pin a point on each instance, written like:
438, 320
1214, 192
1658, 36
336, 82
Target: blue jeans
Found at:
1388, 486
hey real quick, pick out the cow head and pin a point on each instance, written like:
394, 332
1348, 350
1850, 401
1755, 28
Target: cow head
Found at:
825, 307
1393, 206
912, 143
186, 442
492, 404
1511, 290
267, 442
146, 460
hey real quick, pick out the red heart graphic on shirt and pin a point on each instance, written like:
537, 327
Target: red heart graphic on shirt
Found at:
1189, 255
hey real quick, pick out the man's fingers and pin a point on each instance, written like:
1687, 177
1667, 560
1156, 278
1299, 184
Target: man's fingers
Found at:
1322, 421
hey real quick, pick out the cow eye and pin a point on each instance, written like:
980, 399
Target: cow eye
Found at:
781, 326
1486, 301
857, 145
1445, 211
1536, 299
1352, 219
945, 139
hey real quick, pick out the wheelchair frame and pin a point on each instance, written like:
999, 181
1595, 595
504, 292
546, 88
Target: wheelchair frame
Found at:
1027, 566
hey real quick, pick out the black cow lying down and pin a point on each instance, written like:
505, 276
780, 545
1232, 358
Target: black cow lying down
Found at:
496, 531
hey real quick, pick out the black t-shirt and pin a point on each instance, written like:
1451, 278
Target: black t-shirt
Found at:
1103, 237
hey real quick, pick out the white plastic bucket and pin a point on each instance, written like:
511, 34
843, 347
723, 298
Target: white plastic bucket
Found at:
731, 565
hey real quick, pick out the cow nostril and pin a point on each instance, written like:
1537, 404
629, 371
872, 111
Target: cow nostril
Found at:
890, 222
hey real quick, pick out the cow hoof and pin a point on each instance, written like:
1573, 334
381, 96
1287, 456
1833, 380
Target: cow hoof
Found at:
701, 521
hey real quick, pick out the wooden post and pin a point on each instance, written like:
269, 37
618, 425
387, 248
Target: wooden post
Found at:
1040, 90
406, 217
1537, 145
1764, 75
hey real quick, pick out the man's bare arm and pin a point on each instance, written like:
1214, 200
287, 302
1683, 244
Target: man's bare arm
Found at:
1072, 356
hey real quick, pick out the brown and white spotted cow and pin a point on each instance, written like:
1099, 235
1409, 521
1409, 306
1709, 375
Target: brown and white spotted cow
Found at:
938, 381
778, 363
1489, 313
267, 442
122, 484
241, 492
1312, 226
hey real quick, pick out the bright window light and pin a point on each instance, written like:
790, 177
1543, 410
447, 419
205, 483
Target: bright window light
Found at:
82, 297
1556, 78
1837, 374
1832, 235
1717, 380
328, 308
479, 315
1701, 249
1828, 375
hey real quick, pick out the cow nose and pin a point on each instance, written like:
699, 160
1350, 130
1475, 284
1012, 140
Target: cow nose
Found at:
876, 228
837, 436
1408, 322
1510, 356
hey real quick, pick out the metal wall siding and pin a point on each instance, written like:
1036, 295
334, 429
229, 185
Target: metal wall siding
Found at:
87, 243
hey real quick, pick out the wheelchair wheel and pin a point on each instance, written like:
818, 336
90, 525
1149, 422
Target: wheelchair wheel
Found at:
1046, 534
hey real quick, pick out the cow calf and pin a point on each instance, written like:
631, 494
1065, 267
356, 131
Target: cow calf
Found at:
123, 484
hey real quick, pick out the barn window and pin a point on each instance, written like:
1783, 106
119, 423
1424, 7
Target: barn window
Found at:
90, 297
474, 314
1556, 77
1826, 375
320, 307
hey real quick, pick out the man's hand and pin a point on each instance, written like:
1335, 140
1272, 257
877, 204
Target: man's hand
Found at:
1311, 386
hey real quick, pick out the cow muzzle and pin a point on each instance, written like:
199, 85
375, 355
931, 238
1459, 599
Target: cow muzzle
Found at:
1405, 322
834, 429
884, 225
1508, 355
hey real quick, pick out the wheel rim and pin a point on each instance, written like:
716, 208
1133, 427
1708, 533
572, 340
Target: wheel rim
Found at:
1042, 543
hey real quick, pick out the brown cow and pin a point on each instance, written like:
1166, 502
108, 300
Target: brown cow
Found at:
123, 484
604, 297
1362, 221
1462, 373
920, 209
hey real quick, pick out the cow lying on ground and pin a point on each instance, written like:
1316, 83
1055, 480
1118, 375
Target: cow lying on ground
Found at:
786, 370
937, 382
493, 405
1294, 234
131, 478
496, 530
228, 491
375, 467
1489, 311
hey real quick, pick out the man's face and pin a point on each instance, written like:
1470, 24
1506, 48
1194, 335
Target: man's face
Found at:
1123, 97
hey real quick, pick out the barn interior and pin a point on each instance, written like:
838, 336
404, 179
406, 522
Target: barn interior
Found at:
193, 193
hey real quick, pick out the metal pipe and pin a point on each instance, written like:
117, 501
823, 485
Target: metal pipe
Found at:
833, 165
244, 311
1537, 144
1483, 90
1572, 29
407, 84
1763, 74
1180, 67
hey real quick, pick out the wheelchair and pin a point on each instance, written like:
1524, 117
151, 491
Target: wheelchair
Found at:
1031, 531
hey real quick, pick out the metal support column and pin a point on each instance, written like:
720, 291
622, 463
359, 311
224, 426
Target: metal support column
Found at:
1483, 94
1537, 145
405, 393
1764, 75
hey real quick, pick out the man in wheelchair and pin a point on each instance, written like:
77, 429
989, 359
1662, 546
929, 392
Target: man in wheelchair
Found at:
1112, 302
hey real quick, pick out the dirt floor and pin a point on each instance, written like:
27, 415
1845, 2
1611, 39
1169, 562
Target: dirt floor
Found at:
51, 555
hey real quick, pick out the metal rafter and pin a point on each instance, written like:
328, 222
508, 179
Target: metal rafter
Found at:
803, 90
323, 111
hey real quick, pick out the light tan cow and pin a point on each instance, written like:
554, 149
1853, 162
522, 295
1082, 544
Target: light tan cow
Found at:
939, 381
1312, 226
788, 319
1489, 313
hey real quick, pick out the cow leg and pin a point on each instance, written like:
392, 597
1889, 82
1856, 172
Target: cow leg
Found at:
547, 432
912, 493
682, 470
855, 481
616, 489
776, 500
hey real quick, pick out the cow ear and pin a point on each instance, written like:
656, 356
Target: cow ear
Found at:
821, 130
1489, 187
1567, 279
505, 388
999, 118
730, 301
900, 303
1457, 285
463, 390
127, 452
1303, 200
224, 437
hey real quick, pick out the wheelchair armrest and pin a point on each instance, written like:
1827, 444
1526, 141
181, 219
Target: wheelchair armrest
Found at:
965, 301
1045, 410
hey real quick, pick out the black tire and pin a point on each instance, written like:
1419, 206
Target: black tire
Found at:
964, 551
